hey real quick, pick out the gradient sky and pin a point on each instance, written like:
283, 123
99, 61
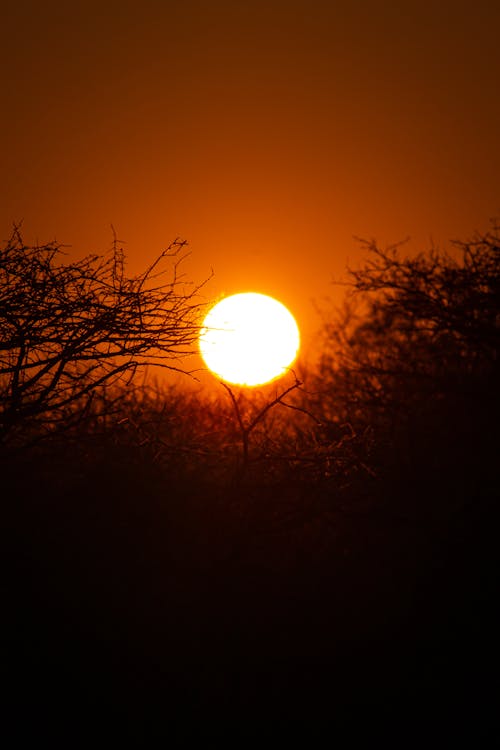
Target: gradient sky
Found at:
266, 134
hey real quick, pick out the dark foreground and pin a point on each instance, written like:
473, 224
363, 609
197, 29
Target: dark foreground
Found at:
137, 597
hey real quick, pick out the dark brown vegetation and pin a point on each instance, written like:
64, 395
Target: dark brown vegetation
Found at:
69, 329
317, 547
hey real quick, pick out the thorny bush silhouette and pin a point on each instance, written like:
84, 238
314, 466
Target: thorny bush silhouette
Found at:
67, 329
412, 357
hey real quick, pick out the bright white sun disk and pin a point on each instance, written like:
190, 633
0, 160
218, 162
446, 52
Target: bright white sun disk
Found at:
249, 339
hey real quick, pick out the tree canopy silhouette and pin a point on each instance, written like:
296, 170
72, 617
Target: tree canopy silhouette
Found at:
427, 319
68, 328
413, 358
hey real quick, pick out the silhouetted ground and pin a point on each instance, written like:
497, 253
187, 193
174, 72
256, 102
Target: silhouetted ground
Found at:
131, 594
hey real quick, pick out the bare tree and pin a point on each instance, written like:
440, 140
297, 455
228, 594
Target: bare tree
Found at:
67, 329
412, 362
420, 325
248, 422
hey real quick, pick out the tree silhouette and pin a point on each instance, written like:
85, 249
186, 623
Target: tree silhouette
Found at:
416, 324
413, 358
67, 329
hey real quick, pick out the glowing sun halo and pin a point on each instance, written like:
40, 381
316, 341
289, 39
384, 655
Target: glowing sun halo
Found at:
249, 339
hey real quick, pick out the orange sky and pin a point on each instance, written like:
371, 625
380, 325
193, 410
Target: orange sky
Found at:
267, 134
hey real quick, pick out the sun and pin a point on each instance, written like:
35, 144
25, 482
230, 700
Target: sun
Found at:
249, 339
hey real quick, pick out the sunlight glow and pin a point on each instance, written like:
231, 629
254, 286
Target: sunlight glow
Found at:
249, 339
